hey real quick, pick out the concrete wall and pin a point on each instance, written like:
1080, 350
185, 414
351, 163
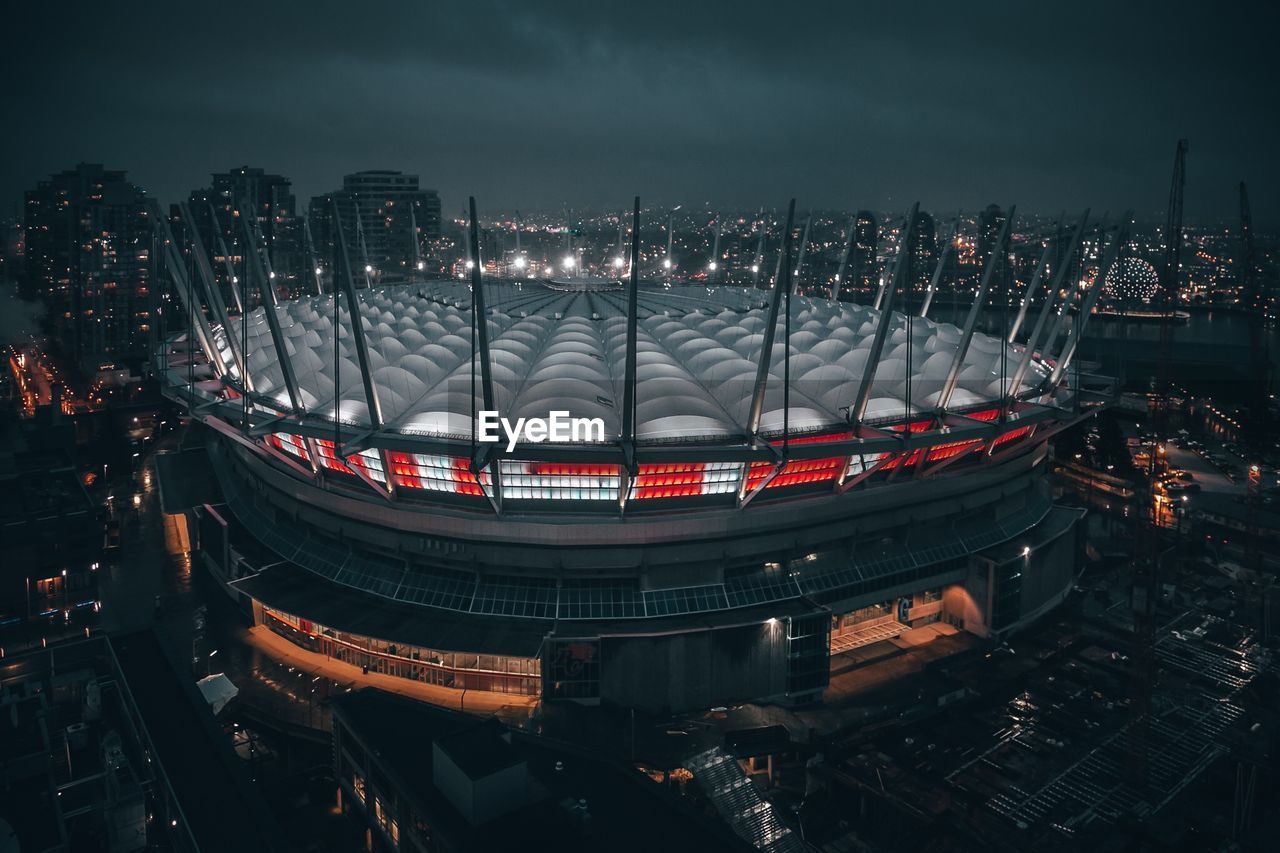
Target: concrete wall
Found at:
453, 783
1048, 574
968, 604
695, 670
1051, 574
501, 792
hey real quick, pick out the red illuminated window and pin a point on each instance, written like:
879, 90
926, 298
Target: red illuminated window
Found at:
798, 472
939, 452
686, 479
291, 444
1011, 435
433, 472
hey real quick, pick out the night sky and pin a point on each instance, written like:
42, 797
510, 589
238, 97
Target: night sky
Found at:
544, 104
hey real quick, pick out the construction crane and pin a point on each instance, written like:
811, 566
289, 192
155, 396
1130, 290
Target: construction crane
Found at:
1152, 548
1252, 298
1258, 382
1170, 269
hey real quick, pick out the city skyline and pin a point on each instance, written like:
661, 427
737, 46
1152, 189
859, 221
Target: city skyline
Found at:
539, 110
577, 426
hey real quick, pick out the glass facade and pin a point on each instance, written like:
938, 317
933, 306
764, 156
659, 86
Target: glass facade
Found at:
367, 461
573, 669
590, 482
855, 619
686, 479
808, 653
1006, 593
433, 472
456, 670
560, 481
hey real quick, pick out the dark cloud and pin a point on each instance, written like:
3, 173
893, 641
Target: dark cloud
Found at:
539, 104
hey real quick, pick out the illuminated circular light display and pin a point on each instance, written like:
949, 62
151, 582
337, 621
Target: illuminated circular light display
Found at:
1132, 280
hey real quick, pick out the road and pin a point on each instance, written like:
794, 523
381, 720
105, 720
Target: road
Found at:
1207, 475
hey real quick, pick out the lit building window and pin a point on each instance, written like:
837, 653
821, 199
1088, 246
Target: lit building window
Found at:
433, 472
798, 472
686, 479
560, 481
367, 461
294, 445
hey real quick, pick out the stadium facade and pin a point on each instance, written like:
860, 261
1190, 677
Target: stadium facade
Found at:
781, 476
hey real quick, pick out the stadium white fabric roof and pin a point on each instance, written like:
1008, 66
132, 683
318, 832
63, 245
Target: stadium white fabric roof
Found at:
697, 355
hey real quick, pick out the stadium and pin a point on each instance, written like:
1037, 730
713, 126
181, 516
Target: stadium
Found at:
781, 477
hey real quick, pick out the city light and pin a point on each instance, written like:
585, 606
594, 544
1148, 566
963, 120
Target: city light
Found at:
409, 473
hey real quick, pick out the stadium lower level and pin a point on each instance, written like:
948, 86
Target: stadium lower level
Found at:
670, 610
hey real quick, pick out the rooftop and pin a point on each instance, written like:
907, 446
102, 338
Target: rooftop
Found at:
627, 811
480, 751
553, 349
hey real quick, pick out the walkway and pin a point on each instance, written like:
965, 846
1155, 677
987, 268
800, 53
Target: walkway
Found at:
472, 701
885, 629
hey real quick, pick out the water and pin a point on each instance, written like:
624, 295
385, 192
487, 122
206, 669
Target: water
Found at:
1210, 352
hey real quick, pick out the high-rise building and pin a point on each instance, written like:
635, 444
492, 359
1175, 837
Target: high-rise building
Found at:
990, 221
88, 256
861, 276
216, 212
922, 254
11, 249
389, 205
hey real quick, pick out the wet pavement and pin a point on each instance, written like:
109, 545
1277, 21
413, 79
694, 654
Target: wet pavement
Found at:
152, 582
